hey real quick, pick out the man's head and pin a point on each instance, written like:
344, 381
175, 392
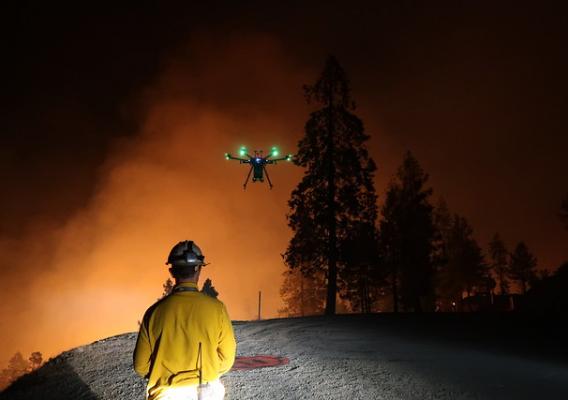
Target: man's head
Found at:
186, 261
185, 274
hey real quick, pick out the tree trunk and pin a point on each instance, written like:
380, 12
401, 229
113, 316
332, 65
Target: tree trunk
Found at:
332, 271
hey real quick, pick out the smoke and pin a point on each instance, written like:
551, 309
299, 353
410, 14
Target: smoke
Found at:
95, 275
492, 153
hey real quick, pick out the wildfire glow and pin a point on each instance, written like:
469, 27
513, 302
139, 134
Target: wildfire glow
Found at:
105, 265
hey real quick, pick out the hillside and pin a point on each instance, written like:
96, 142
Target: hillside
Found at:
355, 357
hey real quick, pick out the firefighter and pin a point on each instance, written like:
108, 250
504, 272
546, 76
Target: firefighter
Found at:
186, 340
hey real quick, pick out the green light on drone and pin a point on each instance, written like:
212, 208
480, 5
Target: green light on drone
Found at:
227, 156
243, 151
275, 152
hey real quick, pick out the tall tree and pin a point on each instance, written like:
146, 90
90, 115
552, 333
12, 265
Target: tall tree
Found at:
522, 266
499, 262
336, 194
407, 236
465, 270
442, 220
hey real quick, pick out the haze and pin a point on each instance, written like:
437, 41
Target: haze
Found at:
100, 179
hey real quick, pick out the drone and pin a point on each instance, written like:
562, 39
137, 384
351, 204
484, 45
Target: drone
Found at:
258, 163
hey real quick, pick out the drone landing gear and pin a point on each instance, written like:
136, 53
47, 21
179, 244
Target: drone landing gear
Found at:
254, 179
248, 177
267, 177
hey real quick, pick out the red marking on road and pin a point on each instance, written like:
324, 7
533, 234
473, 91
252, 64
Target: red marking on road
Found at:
260, 361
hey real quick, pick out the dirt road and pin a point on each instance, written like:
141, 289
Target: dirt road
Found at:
346, 357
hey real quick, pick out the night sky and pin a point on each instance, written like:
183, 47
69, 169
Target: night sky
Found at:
115, 122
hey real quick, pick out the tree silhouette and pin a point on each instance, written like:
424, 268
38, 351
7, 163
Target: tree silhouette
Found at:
167, 287
336, 196
209, 289
442, 220
464, 270
17, 366
36, 359
361, 278
548, 294
522, 266
499, 262
407, 236
302, 295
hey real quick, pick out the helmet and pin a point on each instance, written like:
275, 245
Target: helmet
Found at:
186, 254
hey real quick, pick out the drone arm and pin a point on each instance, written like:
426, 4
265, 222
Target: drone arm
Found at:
230, 157
287, 158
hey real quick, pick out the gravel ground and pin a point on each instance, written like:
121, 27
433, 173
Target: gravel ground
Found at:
352, 357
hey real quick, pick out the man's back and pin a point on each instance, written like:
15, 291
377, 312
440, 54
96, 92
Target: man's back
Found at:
175, 332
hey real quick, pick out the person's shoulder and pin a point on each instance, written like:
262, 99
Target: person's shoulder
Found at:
152, 309
157, 304
212, 302
210, 299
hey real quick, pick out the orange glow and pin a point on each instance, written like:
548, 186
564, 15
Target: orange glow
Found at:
95, 274
105, 266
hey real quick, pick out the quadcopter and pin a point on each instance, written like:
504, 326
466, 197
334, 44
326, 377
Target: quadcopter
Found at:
258, 163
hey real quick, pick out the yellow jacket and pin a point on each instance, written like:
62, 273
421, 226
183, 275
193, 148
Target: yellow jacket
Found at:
170, 335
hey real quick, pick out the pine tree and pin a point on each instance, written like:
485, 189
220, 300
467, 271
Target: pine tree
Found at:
17, 366
36, 359
499, 262
407, 236
362, 277
167, 287
336, 195
209, 289
465, 269
442, 220
522, 266
302, 295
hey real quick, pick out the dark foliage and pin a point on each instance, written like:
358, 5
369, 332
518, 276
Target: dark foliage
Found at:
499, 262
407, 237
464, 270
522, 268
302, 295
209, 289
549, 293
335, 200
36, 360
17, 366
167, 287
